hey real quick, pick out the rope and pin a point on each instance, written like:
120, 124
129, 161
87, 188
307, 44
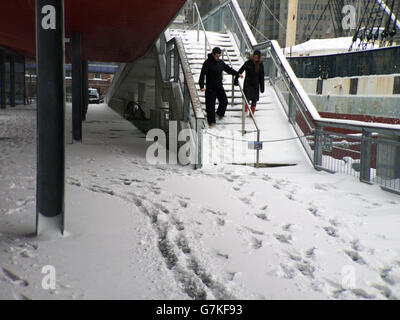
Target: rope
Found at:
263, 141
277, 20
309, 18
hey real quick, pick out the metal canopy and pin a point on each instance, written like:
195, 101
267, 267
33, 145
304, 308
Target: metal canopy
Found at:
117, 31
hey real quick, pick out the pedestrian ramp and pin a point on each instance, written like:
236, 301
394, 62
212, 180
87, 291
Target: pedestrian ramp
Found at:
226, 143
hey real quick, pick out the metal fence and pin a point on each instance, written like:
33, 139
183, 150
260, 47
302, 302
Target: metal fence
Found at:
369, 151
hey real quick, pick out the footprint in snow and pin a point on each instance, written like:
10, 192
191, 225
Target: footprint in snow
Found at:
331, 231
262, 216
385, 291
256, 243
313, 210
221, 222
283, 238
222, 255
13, 278
288, 227
183, 203
355, 256
20, 296
255, 232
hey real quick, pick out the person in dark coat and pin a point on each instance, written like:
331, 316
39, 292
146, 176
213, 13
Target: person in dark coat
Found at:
254, 80
212, 69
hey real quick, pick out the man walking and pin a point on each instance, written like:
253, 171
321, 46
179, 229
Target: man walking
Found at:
212, 69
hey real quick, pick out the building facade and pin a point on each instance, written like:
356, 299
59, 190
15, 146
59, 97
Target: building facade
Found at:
314, 19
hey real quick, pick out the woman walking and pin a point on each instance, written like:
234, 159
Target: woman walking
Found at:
254, 80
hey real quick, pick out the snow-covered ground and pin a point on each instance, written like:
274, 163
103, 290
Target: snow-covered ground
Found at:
136, 231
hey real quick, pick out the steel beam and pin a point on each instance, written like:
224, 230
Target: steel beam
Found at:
50, 115
3, 96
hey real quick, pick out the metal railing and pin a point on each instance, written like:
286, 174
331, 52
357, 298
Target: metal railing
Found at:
370, 151
199, 25
177, 71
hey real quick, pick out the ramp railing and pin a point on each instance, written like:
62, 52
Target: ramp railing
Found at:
175, 70
225, 53
370, 151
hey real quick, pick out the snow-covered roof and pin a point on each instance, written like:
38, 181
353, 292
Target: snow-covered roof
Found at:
315, 47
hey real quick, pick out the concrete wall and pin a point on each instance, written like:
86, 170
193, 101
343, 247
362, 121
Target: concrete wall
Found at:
374, 106
366, 85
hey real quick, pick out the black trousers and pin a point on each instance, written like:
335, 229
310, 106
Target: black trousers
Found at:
211, 96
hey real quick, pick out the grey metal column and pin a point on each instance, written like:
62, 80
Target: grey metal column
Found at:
25, 88
365, 159
318, 146
12, 82
77, 87
85, 89
3, 95
50, 115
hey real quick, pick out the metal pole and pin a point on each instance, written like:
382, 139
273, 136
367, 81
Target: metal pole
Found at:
243, 117
365, 159
12, 82
77, 87
318, 145
198, 27
25, 88
233, 91
85, 89
50, 115
3, 96
194, 17
258, 150
30, 88
176, 64
205, 45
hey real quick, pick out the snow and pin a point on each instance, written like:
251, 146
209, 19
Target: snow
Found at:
136, 231
225, 144
319, 47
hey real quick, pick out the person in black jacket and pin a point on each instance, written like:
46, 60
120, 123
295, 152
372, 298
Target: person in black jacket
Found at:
254, 80
212, 69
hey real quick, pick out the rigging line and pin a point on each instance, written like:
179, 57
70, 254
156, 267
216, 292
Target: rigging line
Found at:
359, 27
309, 18
277, 20
365, 44
332, 12
261, 34
371, 33
319, 20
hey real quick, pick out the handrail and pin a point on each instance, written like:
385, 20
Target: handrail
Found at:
241, 32
347, 124
244, 96
189, 79
187, 86
246, 102
303, 115
200, 22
